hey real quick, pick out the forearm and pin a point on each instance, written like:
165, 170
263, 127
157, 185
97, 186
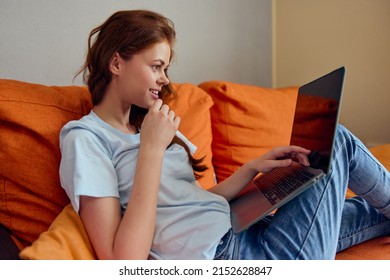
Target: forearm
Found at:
138, 224
236, 182
136, 230
277, 157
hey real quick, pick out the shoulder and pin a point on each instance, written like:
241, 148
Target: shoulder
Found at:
84, 123
85, 133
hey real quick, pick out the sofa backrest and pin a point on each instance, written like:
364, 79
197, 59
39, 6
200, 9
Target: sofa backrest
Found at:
229, 123
31, 116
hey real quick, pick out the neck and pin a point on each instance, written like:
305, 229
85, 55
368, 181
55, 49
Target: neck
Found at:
116, 114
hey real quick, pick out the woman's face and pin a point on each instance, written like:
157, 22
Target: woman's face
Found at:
140, 79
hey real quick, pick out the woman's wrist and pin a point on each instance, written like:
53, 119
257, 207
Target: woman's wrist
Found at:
150, 150
253, 166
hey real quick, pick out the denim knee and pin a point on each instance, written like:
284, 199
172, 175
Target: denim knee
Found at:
343, 133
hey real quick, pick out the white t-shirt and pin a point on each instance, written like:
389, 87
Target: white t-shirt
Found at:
99, 161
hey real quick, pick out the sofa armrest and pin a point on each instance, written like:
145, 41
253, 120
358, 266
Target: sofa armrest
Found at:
8, 249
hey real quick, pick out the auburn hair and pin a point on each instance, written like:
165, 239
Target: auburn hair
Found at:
127, 33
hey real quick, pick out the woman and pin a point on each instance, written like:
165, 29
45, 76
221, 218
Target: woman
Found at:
130, 174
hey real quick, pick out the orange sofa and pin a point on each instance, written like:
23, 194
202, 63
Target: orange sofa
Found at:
229, 123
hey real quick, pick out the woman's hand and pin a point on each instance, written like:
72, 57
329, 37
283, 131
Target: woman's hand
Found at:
159, 126
280, 157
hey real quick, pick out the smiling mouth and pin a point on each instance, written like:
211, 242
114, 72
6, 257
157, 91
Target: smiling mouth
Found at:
154, 93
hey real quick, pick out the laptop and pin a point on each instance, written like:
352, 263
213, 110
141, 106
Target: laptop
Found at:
314, 131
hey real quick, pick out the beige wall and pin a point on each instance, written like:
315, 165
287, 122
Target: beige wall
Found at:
312, 37
44, 41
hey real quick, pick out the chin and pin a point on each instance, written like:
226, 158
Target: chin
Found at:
145, 105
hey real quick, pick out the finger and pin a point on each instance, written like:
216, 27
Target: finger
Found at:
177, 122
298, 149
287, 152
271, 164
303, 159
156, 105
165, 109
171, 115
297, 157
279, 153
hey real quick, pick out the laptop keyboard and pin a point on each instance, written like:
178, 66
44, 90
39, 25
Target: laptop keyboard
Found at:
283, 180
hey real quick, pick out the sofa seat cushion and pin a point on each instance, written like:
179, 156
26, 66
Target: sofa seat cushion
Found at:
374, 249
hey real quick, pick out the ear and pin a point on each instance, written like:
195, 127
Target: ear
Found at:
115, 63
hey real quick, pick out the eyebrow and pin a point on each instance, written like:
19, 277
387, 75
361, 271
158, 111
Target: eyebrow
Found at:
161, 61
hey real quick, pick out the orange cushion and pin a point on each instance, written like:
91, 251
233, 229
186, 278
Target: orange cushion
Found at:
373, 249
247, 121
382, 153
31, 117
66, 239
193, 105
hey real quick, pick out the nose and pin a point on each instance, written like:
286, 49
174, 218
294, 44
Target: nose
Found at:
163, 80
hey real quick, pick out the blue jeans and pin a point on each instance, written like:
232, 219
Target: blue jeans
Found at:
320, 221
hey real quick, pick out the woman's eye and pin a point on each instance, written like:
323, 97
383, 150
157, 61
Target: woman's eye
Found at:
156, 67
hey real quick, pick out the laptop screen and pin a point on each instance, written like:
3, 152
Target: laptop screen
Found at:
316, 117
